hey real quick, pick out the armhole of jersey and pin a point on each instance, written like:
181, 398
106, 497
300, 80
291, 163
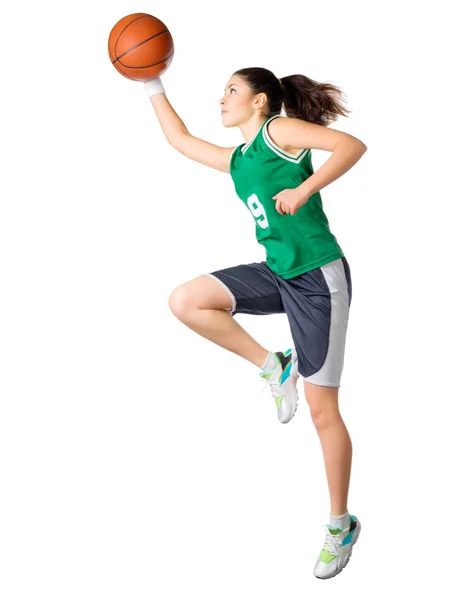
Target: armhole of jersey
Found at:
232, 155
233, 152
294, 158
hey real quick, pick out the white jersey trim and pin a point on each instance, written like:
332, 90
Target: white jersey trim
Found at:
294, 158
246, 146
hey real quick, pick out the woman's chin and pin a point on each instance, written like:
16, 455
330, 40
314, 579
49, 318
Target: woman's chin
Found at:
226, 122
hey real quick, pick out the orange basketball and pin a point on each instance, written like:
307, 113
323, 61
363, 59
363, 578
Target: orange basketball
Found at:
140, 47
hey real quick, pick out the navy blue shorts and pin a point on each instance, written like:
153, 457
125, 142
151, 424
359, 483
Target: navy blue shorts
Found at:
317, 304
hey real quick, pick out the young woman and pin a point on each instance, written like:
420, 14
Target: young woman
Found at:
305, 275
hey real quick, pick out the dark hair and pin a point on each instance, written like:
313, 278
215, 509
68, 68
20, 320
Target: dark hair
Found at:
301, 97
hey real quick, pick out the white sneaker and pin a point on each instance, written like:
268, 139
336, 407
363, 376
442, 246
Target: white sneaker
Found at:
282, 381
337, 549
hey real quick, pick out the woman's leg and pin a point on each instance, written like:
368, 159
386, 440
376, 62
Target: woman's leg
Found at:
335, 441
201, 305
317, 305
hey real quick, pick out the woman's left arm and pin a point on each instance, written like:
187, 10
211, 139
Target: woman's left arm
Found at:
346, 149
345, 154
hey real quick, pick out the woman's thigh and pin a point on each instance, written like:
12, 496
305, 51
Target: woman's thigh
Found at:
203, 292
317, 304
247, 288
253, 288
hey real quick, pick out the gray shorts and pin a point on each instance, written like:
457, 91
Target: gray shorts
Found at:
317, 304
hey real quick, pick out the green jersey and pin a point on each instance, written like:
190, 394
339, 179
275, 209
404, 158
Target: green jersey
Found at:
296, 243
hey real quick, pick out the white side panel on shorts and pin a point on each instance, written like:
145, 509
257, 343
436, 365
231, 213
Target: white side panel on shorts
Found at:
330, 374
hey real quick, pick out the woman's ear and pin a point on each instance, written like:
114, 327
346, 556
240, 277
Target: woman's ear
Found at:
260, 100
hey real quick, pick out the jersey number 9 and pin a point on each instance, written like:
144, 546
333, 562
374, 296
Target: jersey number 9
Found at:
257, 211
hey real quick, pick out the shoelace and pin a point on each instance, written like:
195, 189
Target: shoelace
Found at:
276, 389
332, 542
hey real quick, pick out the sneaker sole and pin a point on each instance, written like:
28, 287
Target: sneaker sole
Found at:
293, 380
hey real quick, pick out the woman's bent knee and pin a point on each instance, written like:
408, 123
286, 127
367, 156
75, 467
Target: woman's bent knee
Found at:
180, 302
204, 292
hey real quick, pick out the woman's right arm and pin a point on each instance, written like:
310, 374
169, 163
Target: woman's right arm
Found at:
181, 139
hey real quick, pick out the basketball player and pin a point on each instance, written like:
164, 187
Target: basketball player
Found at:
305, 274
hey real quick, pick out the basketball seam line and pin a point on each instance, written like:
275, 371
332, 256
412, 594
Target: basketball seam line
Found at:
118, 37
148, 66
138, 45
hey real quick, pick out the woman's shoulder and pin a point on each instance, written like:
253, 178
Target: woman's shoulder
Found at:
276, 130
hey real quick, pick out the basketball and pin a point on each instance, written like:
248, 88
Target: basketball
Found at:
140, 47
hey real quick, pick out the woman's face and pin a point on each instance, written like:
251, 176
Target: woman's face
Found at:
237, 102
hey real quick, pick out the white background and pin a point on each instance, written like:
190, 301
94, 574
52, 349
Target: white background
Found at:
137, 459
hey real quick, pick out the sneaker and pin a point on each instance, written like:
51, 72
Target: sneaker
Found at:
282, 381
337, 550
